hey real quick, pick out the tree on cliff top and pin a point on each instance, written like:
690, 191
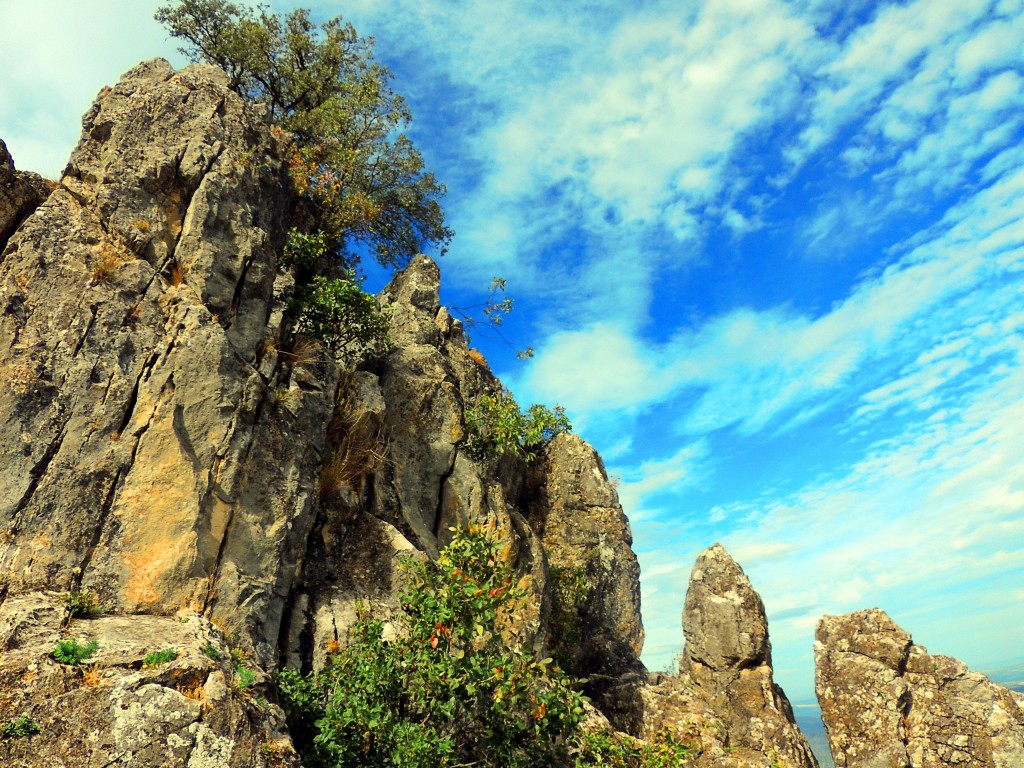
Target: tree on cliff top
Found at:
359, 179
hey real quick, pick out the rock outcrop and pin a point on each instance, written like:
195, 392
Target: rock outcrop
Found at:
218, 485
888, 703
20, 194
724, 698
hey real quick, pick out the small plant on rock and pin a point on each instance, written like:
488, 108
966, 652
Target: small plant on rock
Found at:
73, 652
83, 604
156, 658
211, 652
16, 729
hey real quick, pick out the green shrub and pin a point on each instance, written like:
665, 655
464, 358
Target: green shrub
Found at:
83, 604
347, 319
15, 729
497, 426
156, 658
244, 677
450, 691
72, 652
211, 651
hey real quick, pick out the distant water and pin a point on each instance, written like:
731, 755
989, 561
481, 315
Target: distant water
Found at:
808, 717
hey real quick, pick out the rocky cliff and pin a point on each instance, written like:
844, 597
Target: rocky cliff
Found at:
724, 696
888, 703
219, 490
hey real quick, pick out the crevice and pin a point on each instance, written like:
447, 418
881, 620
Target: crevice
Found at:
134, 397
101, 524
236, 297
222, 547
173, 247
439, 512
36, 473
88, 328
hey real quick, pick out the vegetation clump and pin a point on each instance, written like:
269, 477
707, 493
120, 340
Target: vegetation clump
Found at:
18, 728
497, 426
455, 688
82, 604
156, 658
73, 652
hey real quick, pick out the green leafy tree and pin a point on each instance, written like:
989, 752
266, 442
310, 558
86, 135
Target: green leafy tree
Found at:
359, 180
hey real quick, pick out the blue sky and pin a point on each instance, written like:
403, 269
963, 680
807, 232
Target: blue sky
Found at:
770, 256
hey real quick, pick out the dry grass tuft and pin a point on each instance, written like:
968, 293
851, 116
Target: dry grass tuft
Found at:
358, 446
106, 265
92, 676
177, 276
194, 691
304, 352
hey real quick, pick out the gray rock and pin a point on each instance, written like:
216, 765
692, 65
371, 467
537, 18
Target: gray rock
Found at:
595, 630
20, 194
724, 698
113, 709
889, 703
144, 452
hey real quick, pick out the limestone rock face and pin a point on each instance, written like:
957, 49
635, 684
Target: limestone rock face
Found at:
724, 698
144, 451
20, 194
887, 702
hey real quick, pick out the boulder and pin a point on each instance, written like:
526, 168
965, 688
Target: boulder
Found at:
888, 703
724, 698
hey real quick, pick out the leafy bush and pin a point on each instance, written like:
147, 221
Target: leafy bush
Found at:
497, 426
72, 652
23, 726
156, 658
450, 691
83, 604
601, 748
338, 312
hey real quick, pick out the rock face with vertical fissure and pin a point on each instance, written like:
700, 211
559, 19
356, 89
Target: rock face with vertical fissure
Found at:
888, 703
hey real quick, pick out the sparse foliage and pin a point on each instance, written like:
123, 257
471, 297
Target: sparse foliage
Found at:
18, 728
497, 426
73, 652
494, 308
